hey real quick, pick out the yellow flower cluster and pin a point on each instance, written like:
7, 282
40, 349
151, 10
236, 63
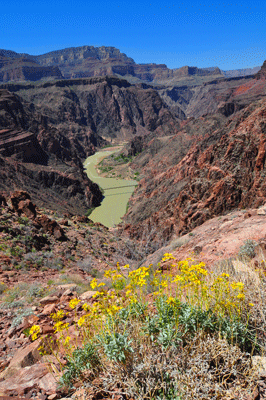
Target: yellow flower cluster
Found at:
227, 296
167, 257
73, 303
60, 326
35, 330
58, 315
117, 276
94, 284
191, 283
138, 277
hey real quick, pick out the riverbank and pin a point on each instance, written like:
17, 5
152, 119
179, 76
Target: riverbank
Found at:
116, 191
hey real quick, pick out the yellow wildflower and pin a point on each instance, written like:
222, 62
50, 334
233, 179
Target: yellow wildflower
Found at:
133, 300
73, 303
67, 339
177, 278
108, 273
86, 306
60, 326
82, 320
171, 300
34, 332
93, 283
168, 256
58, 315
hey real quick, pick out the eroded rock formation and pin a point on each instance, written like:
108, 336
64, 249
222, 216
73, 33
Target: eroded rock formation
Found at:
214, 164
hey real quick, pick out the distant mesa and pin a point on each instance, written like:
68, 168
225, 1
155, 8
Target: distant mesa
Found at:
240, 72
24, 69
90, 61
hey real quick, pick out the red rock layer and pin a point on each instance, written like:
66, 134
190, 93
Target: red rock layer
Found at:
223, 169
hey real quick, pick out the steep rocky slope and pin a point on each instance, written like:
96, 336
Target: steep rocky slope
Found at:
214, 164
52, 127
197, 100
46, 261
36, 157
93, 109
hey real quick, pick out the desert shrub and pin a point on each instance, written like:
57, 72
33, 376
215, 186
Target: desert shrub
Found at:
13, 295
21, 314
13, 304
87, 264
180, 341
45, 260
247, 251
35, 291
81, 360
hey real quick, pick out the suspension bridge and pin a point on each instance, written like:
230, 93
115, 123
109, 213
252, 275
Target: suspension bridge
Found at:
119, 187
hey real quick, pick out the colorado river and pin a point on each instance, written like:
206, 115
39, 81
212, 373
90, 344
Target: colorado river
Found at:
116, 192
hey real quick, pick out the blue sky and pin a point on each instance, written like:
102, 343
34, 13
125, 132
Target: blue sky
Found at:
203, 34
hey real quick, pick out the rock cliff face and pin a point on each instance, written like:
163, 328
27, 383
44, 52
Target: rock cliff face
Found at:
92, 110
24, 69
261, 75
34, 156
214, 164
62, 188
77, 54
18, 130
89, 61
209, 97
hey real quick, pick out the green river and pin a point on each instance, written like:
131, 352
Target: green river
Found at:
116, 192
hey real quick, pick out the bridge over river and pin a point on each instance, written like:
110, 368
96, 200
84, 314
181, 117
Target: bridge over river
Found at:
116, 192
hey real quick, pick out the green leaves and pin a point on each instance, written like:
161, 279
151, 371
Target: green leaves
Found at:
81, 359
116, 346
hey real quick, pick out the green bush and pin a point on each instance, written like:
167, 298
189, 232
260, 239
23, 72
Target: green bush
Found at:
185, 336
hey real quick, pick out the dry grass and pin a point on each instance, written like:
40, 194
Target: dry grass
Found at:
196, 342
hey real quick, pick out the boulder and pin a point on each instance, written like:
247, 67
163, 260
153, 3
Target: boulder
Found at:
21, 202
48, 309
68, 286
27, 379
262, 210
87, 295
24, 357
49, 300
51, 227
48, 383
